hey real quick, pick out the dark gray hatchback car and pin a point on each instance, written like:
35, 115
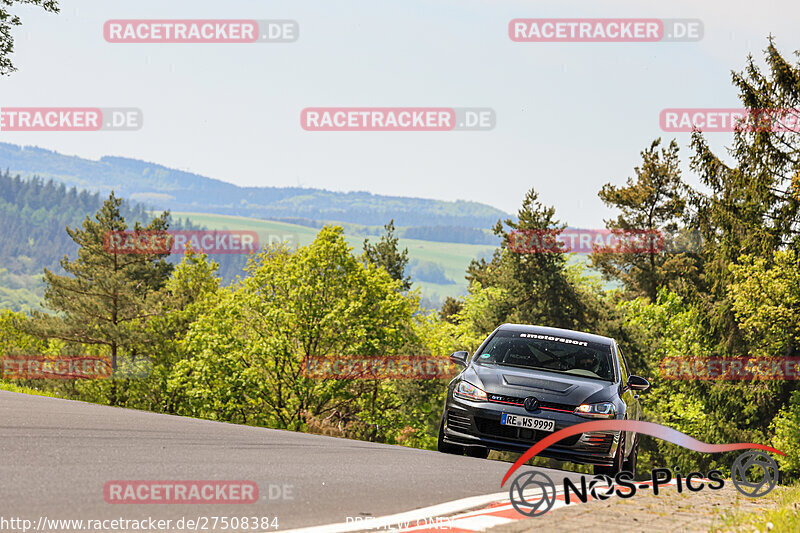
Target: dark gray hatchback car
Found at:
525, 382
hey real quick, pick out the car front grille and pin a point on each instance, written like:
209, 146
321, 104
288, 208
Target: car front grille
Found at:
516, 400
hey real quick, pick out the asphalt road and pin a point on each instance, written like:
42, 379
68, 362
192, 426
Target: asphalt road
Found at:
57, 455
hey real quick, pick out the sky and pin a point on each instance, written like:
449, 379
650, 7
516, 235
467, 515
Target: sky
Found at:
570, 117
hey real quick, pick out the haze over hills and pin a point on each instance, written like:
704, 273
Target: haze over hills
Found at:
164, 188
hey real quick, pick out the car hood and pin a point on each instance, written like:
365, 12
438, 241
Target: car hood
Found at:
547, 387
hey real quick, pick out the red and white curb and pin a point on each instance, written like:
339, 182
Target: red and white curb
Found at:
452, 517
496, 514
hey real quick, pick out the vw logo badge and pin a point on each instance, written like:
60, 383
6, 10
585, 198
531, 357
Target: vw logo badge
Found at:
531, 403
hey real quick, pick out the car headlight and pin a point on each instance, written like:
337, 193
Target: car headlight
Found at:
596, 410
468, 391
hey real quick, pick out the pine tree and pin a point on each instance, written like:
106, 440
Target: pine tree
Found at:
450, 308
105, 296
651, 208
752, 206
539, 287
386, 253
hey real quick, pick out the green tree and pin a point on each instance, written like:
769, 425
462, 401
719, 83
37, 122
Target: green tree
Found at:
450, 308
654, 202
189, 292
248, 349
386, 254
710, 410
7, 22
13, 339
105, 297
539, 288
765, 298
752, 206
786, 428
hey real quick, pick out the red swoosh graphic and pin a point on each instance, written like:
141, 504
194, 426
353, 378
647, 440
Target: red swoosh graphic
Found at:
645, 428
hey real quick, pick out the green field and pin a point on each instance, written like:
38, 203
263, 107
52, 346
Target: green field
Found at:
452, 257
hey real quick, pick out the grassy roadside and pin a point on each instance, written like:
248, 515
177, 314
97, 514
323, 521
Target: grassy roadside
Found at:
10, 387
780, 513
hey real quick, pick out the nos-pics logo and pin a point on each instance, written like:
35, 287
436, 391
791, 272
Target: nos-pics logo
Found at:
754, 473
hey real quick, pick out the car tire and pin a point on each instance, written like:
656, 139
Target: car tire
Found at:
617, 466
629, 465
477, 451
446, 447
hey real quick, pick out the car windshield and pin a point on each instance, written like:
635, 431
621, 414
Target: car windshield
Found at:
549, 353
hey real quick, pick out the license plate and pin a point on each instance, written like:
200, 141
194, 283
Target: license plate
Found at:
540, 424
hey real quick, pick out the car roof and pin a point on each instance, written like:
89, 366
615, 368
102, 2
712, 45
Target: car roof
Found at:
568, 333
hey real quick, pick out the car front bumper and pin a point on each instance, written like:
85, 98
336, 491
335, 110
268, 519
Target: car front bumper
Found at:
470, 423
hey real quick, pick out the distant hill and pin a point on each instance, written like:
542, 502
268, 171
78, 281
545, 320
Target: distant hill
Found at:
33, 217
34, 213
163, 188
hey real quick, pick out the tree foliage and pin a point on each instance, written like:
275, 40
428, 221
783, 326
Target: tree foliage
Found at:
9, 20
655, 203
105, 297
250, 345
539, 288
751, 207
386, 254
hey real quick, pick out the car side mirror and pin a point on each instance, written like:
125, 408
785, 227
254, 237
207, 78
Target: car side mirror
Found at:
459, 358
638, 383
